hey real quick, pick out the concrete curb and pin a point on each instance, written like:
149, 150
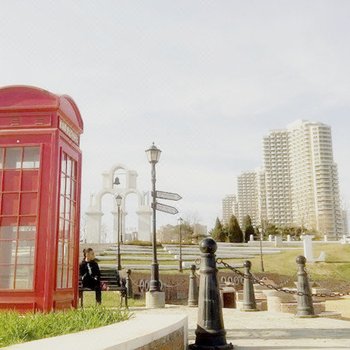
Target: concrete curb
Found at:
137, 332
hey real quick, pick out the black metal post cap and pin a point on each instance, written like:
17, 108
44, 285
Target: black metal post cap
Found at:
208, 245
248, 264
301, 260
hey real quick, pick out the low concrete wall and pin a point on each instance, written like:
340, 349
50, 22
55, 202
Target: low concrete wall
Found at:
143, 332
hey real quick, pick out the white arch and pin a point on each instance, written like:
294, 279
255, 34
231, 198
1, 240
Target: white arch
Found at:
94, 213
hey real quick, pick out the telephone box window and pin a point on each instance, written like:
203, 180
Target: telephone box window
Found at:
13, 158
19, 193
31, 159
67, 223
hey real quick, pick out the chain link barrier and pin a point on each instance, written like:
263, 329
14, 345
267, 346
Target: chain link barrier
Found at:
279, 288
143, 285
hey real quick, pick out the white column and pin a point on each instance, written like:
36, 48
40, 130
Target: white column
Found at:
93, 226
123, 215
115, 226
107, 182
144, 223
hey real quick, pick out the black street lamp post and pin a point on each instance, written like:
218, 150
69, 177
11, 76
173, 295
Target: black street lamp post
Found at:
180, 246
121, 226
153, 155
261, 236
118, 199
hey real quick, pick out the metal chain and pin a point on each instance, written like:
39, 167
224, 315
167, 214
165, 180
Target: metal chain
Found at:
256, 280
283, 283
279, 289
173, 285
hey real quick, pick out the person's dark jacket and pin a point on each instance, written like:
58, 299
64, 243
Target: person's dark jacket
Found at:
90, 274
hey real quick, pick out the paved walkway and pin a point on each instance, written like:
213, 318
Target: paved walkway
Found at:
272, 331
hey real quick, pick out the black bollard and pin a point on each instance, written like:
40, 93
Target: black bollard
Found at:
117, 278
305, 306
249, 303
129, 284
193, 288
210, 332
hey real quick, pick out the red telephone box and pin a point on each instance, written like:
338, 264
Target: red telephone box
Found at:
40, 182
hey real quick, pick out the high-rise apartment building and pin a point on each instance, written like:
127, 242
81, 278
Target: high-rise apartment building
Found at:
345, 222
229, 207
298, 185
277, 174
314, 178
262, 200
247, 197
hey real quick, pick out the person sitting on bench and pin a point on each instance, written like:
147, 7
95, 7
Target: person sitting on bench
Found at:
90, 273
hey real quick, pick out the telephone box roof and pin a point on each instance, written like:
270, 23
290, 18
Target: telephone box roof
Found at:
30, 98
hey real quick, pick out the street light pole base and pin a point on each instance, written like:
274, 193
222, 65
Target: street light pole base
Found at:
155, 300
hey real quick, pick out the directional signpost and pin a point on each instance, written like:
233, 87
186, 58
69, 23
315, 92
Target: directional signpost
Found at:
169, 196
166, 208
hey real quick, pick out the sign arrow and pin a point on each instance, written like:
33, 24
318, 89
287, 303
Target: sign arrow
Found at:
168, 195
165, 208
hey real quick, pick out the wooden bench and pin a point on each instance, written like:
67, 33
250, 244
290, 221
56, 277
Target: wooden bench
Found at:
113, 284
121, 289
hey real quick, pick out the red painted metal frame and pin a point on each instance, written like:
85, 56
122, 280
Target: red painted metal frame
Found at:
32, 116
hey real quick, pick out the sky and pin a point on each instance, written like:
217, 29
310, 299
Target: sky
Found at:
204, 80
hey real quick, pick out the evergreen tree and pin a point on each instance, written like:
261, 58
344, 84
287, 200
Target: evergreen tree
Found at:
234, 232
247, 221
248, 228
272, 229
218, 233
249, 231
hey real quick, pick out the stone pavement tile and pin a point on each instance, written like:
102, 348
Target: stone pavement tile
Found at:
273, 331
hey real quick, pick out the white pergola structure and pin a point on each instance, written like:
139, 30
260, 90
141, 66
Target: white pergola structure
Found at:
94, 213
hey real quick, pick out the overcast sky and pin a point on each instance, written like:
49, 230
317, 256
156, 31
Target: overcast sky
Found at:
204, 80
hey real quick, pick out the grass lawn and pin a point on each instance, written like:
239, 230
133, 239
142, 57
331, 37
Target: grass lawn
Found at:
336, 266
18, 328
110, 299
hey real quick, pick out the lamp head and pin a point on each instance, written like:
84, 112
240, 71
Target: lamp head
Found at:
118, 199
153, 154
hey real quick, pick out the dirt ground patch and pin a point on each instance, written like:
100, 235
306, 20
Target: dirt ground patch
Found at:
340, 305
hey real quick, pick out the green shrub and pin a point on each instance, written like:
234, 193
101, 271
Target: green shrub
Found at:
18, 328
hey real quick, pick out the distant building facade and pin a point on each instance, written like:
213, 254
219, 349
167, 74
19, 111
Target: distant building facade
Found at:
262, 199
298, 184
314, 178
345, 222
229, 207
277, 174
247, 196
